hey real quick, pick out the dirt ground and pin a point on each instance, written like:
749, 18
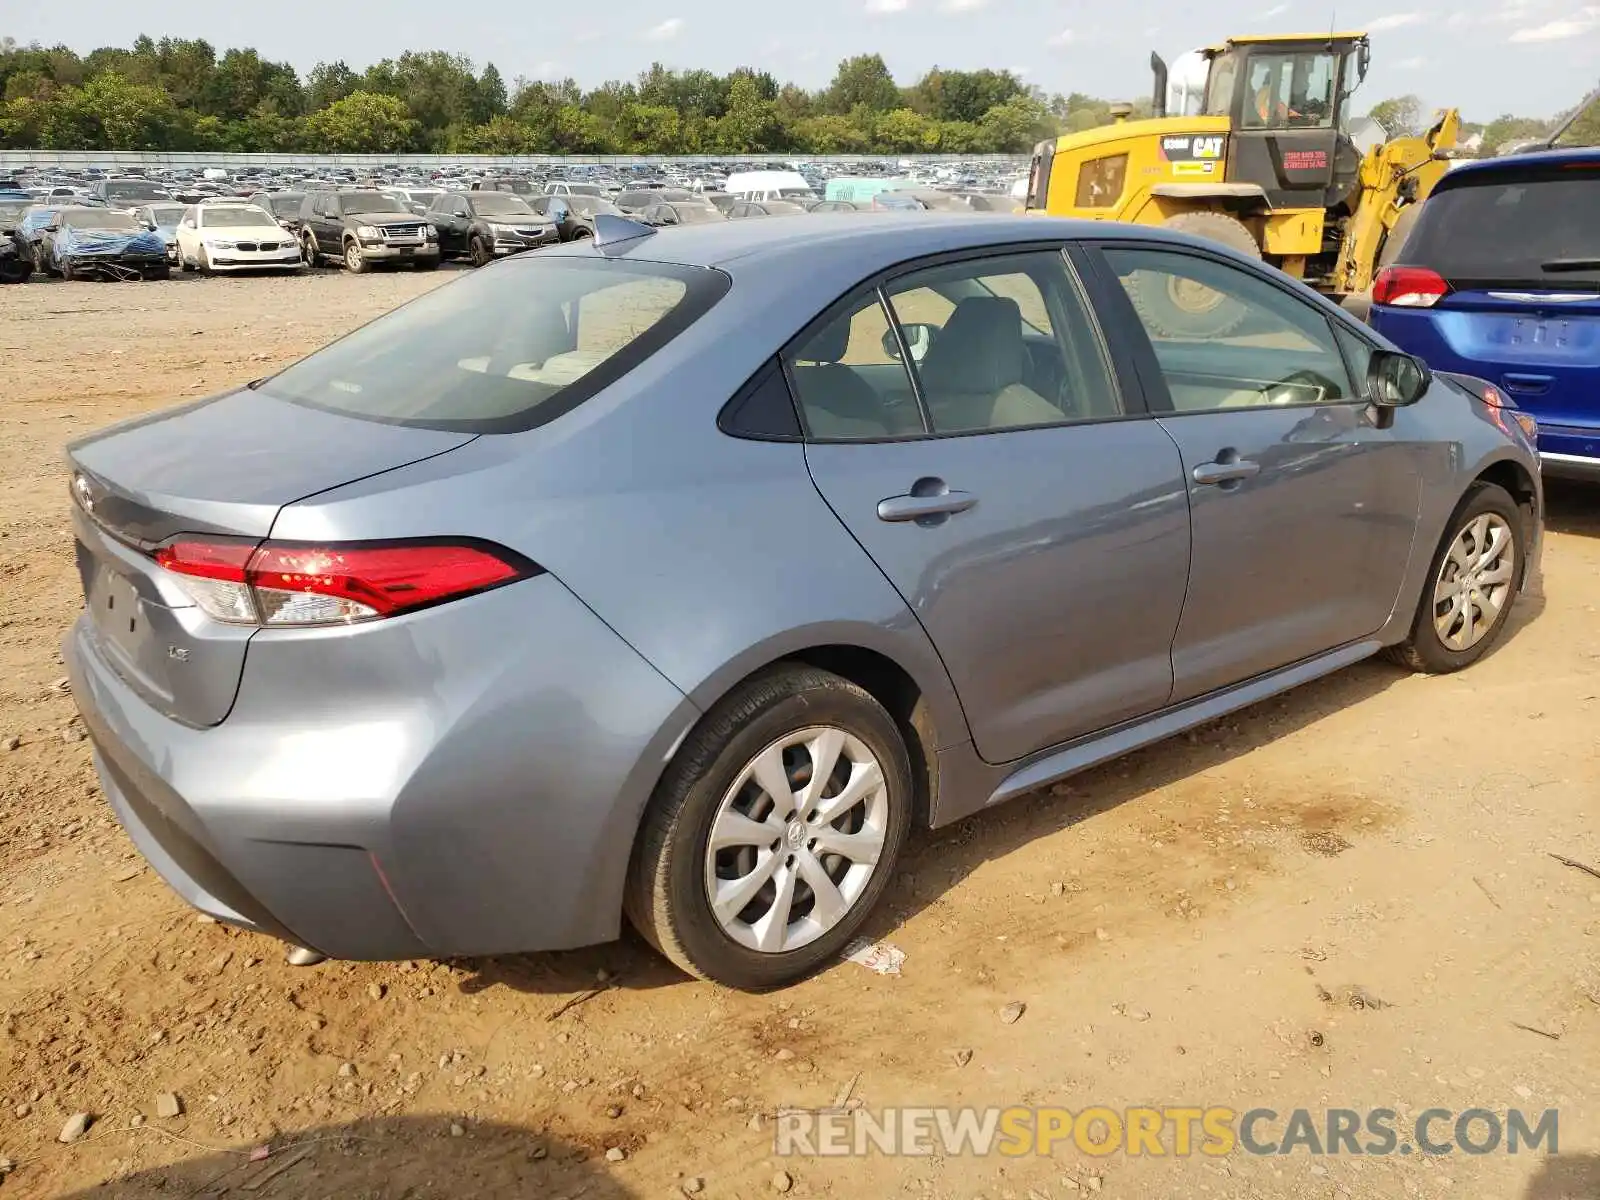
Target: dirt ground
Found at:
1186, 926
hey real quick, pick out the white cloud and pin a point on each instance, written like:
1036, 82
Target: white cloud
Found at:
887, 7
1275, 10
1020, 72
1065, 38
1393, 21
667, 30
963, 6
1411, 64
1579, 23
547, 70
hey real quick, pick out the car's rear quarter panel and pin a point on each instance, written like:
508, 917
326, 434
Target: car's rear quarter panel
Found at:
710, 556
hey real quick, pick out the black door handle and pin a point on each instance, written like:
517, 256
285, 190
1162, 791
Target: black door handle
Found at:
929, 502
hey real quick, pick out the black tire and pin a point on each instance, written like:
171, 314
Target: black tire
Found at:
580, 234
203, 265
1396, 240
308, 250
666, 895
354, 261
1152, 293
185, 264
1424, 650
479, 252
67, 274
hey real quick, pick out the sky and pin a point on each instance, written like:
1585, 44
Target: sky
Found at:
1486, 57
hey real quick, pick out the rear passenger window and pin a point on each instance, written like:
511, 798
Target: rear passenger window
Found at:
849, 381
1003, 342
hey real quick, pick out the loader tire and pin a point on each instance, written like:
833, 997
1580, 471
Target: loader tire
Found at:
1183, 308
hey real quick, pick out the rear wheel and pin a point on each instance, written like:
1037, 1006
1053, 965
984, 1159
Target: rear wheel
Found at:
1474, 580
774, 832
1184, 307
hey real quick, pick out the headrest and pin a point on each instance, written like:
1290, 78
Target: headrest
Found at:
980, 349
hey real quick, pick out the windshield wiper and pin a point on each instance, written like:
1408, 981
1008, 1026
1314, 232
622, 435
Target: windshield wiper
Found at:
1571, 264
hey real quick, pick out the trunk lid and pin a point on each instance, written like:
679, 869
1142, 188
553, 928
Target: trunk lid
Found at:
222, 467
1541, 347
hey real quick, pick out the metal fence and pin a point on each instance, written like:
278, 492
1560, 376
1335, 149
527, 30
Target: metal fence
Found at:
106, 159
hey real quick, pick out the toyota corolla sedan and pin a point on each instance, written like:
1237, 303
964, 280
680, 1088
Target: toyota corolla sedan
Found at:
679, 577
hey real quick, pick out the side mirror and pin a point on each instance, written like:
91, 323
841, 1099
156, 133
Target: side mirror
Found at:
1395, 380
919, 339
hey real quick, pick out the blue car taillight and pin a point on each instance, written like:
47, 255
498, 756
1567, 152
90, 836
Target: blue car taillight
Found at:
1409, 287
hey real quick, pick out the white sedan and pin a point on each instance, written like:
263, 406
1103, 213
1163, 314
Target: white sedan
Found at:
234, 237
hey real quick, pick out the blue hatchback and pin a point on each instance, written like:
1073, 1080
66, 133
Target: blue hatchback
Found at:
1500, 279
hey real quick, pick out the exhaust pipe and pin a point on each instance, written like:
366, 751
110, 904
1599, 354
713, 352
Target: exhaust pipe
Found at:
1158, 101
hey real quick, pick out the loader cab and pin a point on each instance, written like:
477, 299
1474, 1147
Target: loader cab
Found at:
1287, 101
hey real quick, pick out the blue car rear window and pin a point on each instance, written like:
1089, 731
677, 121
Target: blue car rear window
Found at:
1531, 227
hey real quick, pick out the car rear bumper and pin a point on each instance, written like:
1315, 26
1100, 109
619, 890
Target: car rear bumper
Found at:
1570, 451
421, 786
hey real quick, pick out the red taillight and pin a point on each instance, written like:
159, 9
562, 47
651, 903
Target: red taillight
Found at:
281, 584
1409, 287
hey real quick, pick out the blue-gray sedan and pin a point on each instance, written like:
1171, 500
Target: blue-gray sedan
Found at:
682, 574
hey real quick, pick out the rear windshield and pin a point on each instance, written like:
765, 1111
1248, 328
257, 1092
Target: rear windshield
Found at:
1526, 229
504, 349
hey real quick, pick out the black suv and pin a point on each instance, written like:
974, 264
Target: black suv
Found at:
488, 225
363, 229
129, 193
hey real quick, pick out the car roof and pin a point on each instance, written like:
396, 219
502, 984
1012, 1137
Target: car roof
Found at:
855, 243
1569, 156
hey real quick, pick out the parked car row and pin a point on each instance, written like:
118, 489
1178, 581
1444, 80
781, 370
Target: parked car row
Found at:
363, 228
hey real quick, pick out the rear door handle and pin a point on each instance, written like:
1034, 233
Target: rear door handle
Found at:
1530, 384
1226, 471
913, 507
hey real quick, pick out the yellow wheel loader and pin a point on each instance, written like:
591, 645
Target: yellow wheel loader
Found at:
1259, 155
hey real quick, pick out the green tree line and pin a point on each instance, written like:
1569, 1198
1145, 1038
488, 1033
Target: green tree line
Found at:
180, 94
1405, 116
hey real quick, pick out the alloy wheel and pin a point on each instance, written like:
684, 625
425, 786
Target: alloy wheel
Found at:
1474, 581
796, 839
